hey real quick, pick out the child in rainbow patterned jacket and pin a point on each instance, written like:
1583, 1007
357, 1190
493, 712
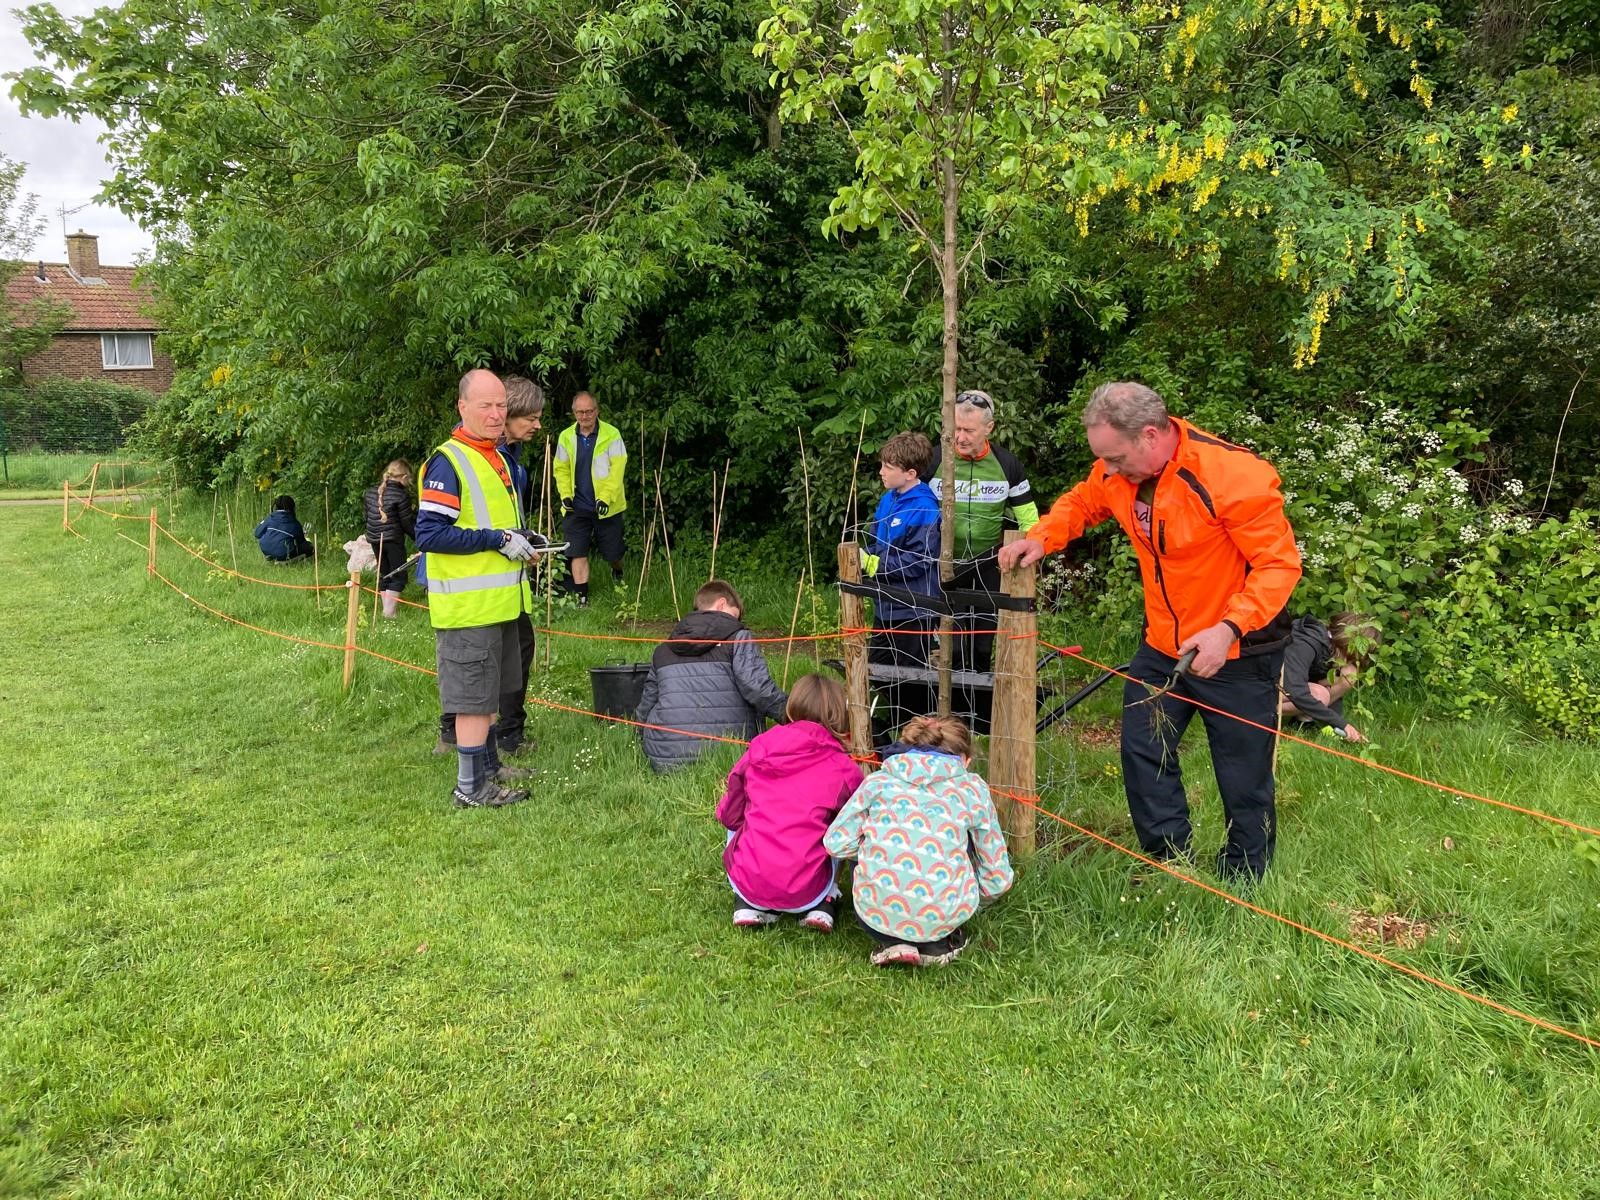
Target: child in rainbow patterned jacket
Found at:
928, 846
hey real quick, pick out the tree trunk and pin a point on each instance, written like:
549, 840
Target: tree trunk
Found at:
947, 435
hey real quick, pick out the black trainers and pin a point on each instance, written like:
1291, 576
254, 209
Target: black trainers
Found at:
488, 794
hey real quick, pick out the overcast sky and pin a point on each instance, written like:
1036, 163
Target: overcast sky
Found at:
66, 164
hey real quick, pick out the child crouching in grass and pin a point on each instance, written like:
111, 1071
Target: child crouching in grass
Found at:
928, 846
781, 795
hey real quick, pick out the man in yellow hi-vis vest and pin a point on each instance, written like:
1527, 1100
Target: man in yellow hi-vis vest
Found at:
591, 459
471, 526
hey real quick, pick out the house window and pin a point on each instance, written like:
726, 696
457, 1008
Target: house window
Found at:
125, 351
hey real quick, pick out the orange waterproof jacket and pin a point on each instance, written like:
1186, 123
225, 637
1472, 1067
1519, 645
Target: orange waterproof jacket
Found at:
1220, 547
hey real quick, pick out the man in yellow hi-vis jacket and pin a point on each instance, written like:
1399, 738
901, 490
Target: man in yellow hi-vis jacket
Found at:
591, 460
471, 526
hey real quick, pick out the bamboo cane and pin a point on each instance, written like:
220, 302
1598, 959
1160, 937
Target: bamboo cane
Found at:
794, 619
805, 469
233, 550
352, 616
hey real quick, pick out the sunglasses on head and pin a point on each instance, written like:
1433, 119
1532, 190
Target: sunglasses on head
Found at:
975, 400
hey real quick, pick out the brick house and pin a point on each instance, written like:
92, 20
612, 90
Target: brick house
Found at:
109, 337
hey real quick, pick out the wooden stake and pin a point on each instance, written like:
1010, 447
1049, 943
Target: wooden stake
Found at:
316, 571
66, 504
94, 477
227, 510
213, 538
857, 692
352, 617
794, 619
150, 568
1012, 744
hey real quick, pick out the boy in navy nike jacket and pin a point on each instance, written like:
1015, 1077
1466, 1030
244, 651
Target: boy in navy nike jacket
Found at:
903, 553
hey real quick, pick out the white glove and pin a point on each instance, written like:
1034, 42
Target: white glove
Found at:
516, 547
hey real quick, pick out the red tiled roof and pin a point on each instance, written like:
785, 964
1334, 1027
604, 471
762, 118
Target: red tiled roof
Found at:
115, 304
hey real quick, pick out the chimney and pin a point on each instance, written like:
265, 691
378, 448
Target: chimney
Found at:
83, 255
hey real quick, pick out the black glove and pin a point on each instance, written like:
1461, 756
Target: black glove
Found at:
537, 540
601, 508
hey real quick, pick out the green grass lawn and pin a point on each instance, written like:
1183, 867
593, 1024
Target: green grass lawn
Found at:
247, 949
35, 472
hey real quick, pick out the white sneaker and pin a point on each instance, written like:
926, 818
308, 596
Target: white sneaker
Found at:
751, 918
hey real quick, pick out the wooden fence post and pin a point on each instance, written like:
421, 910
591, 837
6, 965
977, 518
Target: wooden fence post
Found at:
851, 617
1013, 764
66, 504
351, 618
150, 568
94, 477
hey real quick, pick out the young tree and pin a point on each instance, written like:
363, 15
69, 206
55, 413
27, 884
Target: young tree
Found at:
24, 328
1199, 126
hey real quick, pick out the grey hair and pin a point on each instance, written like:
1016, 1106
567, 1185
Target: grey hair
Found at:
978, 401
1126, 407
524, 397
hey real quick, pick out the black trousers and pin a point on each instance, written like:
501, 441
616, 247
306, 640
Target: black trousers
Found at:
896, 703
513, 719
1241, 757
974, 650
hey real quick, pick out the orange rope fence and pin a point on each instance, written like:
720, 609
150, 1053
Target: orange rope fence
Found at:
1535, 813
1031, 801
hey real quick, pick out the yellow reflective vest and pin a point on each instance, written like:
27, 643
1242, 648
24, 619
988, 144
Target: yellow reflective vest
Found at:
486, 587
607, 469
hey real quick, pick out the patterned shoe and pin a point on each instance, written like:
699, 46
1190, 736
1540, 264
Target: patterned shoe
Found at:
898, 955
940, 960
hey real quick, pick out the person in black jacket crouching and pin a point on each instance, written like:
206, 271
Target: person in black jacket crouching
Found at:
708, 677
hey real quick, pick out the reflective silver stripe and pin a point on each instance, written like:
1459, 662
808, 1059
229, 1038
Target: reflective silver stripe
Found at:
468, 478
478, 583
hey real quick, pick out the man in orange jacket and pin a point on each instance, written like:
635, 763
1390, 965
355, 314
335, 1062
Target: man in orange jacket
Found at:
1218, 561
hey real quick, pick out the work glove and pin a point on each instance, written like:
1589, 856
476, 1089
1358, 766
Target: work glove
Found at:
601, 508
515, 546
869, 564
537, 540
566, 504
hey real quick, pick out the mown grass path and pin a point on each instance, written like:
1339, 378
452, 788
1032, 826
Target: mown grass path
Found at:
246, 949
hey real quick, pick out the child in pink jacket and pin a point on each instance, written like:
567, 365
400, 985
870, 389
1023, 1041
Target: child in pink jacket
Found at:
781, 797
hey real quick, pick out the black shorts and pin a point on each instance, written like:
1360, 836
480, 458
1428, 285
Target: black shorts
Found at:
581, 530
390, 558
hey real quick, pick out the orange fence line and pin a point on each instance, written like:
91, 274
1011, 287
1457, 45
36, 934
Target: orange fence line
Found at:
293, 587
1342, 943
1337, 753
217, 612
1413, 972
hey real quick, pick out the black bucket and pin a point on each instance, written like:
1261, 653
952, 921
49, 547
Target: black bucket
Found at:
617, 688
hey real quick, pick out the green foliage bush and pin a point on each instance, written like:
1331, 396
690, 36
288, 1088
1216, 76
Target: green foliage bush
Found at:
59, 415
